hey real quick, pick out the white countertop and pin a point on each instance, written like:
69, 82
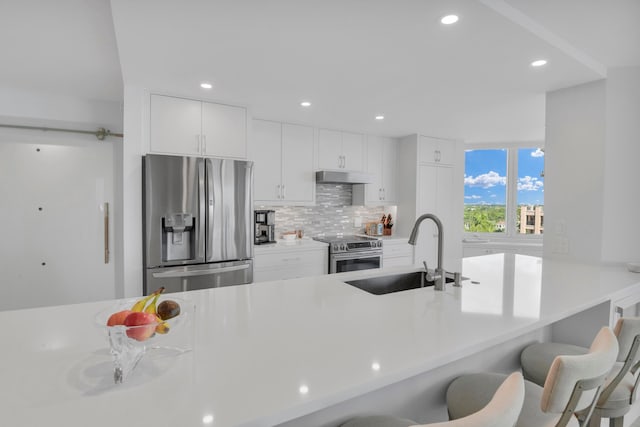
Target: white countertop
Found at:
273, 351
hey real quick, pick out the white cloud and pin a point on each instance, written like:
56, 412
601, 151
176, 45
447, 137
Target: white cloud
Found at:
529, 183
486, 180
494, 195
537, 153
474, 197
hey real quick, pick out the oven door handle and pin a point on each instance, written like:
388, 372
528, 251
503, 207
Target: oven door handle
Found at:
357, 255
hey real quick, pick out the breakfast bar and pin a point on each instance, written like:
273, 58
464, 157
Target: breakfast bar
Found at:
305, 351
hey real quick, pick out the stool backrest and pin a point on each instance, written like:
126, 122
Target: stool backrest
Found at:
574, 383
627, 329
502, 411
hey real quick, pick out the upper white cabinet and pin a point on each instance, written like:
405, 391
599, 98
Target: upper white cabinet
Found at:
191, 127
381, 163
283, 163
340, 150
224, 129
434, 150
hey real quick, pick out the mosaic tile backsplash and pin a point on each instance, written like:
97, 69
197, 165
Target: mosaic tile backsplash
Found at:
332, 214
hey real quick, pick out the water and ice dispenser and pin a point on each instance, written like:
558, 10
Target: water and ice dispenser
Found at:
178, 237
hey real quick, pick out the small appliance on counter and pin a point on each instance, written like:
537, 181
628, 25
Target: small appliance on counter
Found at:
265, 227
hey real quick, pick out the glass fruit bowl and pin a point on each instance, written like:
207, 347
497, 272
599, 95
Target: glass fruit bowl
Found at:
133, 331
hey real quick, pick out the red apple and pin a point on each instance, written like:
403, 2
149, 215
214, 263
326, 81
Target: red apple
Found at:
118, 318
141, 325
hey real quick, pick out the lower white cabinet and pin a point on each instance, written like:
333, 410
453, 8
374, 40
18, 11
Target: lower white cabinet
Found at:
289, 262
396, 252
477, 249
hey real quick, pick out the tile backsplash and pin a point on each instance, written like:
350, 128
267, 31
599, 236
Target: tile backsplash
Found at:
332, 214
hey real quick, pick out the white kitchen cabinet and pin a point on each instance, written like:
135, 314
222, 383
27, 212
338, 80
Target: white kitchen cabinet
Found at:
431, 187
290, 262
224, 130
494, 247
435, 185
191, 127
434, 150
283, 163
381, 163
176, 125
396, 252
340, 150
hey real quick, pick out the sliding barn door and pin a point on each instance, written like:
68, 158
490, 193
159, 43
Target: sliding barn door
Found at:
56, 219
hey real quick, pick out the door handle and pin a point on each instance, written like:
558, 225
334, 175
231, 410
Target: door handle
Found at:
204, 144
191, 273
284, 192
106, 232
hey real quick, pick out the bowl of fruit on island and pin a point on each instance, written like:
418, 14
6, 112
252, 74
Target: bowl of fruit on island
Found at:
135, 325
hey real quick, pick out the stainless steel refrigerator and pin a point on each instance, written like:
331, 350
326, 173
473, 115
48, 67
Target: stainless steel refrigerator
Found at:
197, 222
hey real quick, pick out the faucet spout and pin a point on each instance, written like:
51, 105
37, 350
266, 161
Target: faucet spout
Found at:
439, 286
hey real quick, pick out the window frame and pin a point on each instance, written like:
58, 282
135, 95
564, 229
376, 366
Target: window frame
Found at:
511, 197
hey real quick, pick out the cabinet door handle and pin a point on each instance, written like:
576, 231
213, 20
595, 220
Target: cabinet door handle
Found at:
284, 192
278, 192
204, 144
198, 144
384, 194
379, 193
438, 156
344, 162
339, 161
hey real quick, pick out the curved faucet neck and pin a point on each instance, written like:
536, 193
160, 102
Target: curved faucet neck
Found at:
416, 228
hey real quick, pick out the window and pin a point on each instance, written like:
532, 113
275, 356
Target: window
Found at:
504, 191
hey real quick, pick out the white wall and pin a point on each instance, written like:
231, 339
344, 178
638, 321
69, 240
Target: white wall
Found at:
129, 275
620, 231
574, 172
19, 106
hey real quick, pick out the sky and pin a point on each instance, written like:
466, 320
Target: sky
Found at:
485, 178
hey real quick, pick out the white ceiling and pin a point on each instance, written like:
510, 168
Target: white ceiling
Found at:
352, 59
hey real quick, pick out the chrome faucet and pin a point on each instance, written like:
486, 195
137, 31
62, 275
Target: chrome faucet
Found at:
439, 277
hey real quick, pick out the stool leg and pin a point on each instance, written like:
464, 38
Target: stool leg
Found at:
595, 420
616, 422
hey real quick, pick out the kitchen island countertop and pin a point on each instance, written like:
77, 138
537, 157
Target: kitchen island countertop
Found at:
270, 352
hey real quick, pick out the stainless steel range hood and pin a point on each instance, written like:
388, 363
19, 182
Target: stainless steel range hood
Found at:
343, 177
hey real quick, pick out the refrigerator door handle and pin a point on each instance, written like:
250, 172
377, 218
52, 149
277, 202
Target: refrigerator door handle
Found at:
183, 273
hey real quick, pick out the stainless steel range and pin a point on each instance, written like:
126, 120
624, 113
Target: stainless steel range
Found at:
352, 253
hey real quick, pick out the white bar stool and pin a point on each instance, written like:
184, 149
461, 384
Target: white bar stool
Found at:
570, 391
620, 388
501, 411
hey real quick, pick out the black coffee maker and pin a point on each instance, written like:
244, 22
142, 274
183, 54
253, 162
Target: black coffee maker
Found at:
265, 226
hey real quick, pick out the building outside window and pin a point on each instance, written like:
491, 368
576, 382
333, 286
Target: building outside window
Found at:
504, 191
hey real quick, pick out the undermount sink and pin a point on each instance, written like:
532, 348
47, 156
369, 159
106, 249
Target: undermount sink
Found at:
381, 285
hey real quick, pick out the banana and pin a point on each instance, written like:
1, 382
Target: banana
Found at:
139, 305
151, 308
163, 326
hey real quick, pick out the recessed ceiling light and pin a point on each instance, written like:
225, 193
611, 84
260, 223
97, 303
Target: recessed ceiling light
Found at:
205, 85
449, 19
305, 104
539, 63
380, 117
